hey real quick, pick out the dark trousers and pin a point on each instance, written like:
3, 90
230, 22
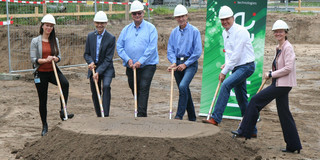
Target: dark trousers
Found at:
144, 78
260, 100
42, 89
106, 95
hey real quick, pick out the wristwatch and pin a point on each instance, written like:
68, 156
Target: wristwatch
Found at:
270, 75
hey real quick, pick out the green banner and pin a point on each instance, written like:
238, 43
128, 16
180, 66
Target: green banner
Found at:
250, 14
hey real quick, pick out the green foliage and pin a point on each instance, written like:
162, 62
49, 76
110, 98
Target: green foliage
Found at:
3, 9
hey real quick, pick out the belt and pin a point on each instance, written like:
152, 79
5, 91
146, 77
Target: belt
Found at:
182, 58
244, 64
249, 62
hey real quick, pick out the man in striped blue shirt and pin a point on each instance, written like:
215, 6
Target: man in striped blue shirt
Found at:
183, 52
137, 46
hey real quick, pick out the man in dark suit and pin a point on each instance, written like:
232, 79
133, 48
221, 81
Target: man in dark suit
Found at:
98, 54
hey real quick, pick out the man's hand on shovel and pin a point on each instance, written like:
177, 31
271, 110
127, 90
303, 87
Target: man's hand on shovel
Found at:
95, 76
91, 66
173, 66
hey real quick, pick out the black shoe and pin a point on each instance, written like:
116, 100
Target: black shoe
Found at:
236, 133
62, 115
141, 115
291, 151
44, 129
177, 118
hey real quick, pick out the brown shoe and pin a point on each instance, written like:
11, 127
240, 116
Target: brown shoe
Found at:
211, 120
254, 136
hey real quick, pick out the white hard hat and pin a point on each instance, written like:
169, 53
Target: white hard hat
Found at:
136, 6
225, 12
100, 17
280, 24
48, 19
180, 10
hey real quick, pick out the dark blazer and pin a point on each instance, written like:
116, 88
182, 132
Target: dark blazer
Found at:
105, 62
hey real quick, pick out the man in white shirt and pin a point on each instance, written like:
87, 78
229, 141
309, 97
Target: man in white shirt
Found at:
239, 58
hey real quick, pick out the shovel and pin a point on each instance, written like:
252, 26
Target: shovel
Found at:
61, 93
262, 84
98, 93
213, 100
171, 94
135, 92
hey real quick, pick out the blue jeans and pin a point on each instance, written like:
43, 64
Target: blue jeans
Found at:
236, 80
144, 78
183, 80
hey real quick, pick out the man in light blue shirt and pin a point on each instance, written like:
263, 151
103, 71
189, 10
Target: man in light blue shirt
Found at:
137, 46
184, 50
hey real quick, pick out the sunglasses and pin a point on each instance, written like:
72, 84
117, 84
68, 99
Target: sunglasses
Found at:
135, 13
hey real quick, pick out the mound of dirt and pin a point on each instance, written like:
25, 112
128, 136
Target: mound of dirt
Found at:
138, 127
128, 138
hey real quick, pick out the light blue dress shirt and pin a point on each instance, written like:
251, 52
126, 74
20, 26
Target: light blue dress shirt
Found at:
184, 43
99, 38
139, 44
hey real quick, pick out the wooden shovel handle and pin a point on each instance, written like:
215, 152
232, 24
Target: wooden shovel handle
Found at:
98, 93
171, 94
262, 84
213, 100
60, 90
135, 92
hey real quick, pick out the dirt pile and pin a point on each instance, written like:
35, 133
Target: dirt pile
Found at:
87, 137
64, 144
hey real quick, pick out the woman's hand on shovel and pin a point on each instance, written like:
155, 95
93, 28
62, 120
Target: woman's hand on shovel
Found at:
266, 75
55, 59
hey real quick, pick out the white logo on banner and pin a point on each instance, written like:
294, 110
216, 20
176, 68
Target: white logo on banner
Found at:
242, 15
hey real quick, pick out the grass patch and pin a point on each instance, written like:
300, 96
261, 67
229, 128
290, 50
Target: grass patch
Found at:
169, 11
301, 13
295, 4
161, 11
15, 8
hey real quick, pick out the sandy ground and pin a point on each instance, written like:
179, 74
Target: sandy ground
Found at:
82, 138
